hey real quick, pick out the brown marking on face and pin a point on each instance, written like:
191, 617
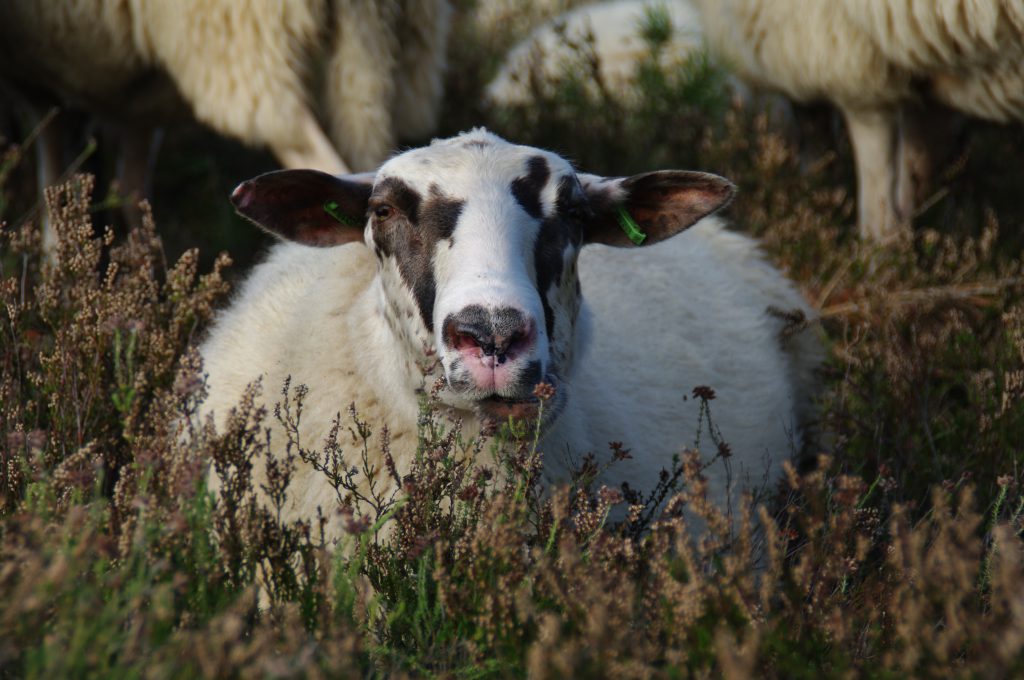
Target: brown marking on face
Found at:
408, 227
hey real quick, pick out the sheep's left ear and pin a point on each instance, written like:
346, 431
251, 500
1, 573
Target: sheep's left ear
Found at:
648, 208
306, 206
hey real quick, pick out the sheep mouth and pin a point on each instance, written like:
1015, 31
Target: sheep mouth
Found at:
496, 408
503, 408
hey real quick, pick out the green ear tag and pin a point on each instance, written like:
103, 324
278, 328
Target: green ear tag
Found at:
331, 208
632, 229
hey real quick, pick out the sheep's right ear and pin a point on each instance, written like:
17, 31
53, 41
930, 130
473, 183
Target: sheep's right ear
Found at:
306, 206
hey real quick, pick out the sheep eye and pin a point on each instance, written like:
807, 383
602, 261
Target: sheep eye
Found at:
383, 212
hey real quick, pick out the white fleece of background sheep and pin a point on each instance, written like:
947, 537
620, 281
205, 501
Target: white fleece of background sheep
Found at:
863, 55
616, 28
243, 66
971, 50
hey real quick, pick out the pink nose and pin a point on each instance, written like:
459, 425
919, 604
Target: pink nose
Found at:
493, 337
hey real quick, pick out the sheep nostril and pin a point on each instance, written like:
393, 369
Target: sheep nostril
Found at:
470, 332
462, 341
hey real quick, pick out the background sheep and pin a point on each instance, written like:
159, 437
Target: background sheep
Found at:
247, 69
617, 29
866, 58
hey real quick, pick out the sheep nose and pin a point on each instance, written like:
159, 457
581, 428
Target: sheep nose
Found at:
502, 333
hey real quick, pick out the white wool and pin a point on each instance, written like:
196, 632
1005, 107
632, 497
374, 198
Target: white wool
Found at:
971, 51
618, 42
387, 63
686, 312
243, 67
504, 21
930, 35
656, 322
807, 49
863, 56
994, 92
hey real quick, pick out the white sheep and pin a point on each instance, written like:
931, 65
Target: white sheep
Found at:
501, 22
246, 68
616, 28
615, 31
463, 260
867, 57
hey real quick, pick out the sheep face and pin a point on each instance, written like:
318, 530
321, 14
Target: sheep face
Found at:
481, 237
477, 241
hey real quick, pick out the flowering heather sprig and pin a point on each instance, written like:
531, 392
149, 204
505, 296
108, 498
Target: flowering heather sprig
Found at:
703, 392
619, 451
544, 391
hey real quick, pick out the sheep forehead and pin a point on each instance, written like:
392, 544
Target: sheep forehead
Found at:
479, 166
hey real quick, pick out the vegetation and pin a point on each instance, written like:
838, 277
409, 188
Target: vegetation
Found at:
895, 552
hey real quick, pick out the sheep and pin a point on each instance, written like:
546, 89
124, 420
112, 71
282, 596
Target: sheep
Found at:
500, 22
869, 57
242, 67
618, 42
618, 31
463, 260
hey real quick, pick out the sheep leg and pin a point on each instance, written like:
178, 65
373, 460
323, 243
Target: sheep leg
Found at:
923, 132
873, 137
136, 163
360, 80
418, 85
49, 168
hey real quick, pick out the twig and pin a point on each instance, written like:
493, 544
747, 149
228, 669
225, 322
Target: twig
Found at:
970, 292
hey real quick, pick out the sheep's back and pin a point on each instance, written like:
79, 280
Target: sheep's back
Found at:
808, 50
934, 35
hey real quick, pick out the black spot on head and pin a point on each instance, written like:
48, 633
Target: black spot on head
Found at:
440, 213
419, 275
411, 236
543, 284
526, 189
572, 207
558, 232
